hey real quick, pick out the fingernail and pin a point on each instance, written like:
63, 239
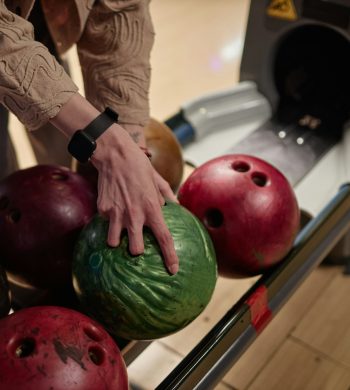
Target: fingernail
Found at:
113, 244
174, 268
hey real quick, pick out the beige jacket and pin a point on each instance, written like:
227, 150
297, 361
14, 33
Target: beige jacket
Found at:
114, 39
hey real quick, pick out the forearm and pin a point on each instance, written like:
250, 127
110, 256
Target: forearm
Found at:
32, 84
76, 114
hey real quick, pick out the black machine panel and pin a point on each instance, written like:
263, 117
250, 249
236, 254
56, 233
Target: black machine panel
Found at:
298, 53
335, 12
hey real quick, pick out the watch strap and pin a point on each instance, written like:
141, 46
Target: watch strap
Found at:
101, 123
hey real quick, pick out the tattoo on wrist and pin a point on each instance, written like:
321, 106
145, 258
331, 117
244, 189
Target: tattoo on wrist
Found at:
135, 136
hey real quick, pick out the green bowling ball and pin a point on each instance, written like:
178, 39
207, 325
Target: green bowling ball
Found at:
135, 297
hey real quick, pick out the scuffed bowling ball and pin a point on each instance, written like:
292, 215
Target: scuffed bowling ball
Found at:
49, 347
166, 152
42, 211
249, 209
166, 155
5, 301
135, 297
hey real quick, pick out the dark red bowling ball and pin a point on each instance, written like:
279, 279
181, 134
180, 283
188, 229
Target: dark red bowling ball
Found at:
5, 302
26, 296
50, 347
42, 211
249, 209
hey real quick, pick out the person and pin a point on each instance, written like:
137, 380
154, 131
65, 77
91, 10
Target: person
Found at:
114, 40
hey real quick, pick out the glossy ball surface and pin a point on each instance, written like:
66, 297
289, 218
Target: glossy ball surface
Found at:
42, 211
135, 297
249, 209
5, 297
166, 152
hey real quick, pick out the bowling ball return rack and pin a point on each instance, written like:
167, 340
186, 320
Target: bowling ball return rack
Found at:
216, 353
244, 124
222, 346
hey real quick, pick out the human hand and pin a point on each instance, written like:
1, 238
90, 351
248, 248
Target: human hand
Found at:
137, 133
164, 187
131, 193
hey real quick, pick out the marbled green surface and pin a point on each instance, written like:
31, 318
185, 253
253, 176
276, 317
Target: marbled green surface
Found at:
135, 297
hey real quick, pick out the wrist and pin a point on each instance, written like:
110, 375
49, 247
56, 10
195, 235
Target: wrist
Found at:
82, 143
76, 114
136, 132
113, 141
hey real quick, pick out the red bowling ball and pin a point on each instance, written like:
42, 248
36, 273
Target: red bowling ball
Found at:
50, 347
42, 211
5, 298
249, 209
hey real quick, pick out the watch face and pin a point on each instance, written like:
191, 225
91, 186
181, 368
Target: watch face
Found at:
81, 146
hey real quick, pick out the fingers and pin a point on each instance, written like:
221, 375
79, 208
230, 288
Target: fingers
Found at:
166, 243
114, 230
135, 234
164, 188
161, 199
132, 202
134, 228
167, 192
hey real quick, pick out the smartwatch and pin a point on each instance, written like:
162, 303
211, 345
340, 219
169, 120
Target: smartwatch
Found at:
83, 143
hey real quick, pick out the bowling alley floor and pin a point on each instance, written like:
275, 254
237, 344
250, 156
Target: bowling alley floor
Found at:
307, 345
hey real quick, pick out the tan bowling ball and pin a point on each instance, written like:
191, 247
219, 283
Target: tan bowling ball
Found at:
166, 152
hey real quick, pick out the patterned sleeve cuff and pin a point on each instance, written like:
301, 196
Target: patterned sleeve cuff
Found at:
32, 84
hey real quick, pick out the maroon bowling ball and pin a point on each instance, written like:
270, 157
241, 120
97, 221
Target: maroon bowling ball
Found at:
50, 347
249, 209
5, 302
26, 296
42, 211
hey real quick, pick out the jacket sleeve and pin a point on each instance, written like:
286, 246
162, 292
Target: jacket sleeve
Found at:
32, 84
114, 53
